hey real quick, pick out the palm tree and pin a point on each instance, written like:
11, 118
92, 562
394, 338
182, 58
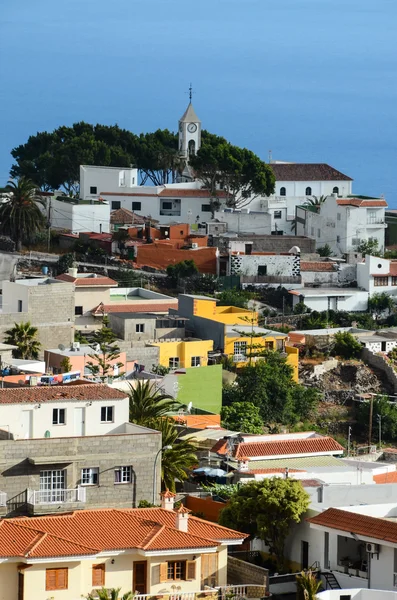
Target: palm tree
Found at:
314, 201
307, 585
24, 335
110, 594
21, 216
181, 456
148, 404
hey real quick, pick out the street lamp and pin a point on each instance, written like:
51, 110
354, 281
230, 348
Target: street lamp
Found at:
155, 470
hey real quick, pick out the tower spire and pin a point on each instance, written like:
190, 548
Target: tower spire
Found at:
190, 92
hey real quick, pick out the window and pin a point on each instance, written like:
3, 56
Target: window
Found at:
195, 361
56, 579
173, 362
89, 476
277, 214
338, 238
78, 310
240, 348
177, 570
381, 281
98, 575
107, 414
206, 208
93, 189
19, 305
262, 270
123, 475
167, 206
140, 328
335, 190
312, 231
58, 416
269, 345
116, 204
394, 280
338, 217
308, 191
137, 206
318, 233
52, 486
283, 191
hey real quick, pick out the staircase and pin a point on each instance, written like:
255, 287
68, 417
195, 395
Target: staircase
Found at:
331, 581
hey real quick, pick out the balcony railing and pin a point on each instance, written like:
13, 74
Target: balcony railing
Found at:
62, 496
227, 591
375, 221
237, 358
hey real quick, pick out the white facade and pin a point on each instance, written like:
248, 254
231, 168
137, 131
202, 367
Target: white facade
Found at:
377, 275
189, 132
343, 223
320, 299
15, 296
79, 216
264, 265
26, 420
356, 594
245, 220
93, 179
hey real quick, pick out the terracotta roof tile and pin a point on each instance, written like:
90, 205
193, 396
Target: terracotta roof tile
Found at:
135, 308
220, 447
270, 471
317, 266
126, 217
89, 532
84, 392
87, 281
307, 172
288, 447
343, 520
360, 202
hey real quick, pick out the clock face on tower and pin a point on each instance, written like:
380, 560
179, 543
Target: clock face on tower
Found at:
192, 127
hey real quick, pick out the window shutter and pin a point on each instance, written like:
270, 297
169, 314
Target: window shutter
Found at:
163, 572
190, 569
98, 575
62, 579
50, 579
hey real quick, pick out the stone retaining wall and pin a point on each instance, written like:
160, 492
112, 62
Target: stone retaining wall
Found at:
242, 572
378, 362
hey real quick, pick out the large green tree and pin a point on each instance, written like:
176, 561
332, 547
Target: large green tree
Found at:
148, 404
106, 352
20, 216
267, 509
238, 172
242, 416
24, 336
380, 303
268, 384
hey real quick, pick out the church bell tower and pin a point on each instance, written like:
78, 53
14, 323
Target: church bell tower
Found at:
189, 130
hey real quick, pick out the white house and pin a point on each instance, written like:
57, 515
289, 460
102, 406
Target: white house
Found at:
75, 215
93, 179
320, 299
377, 275
343, 223
62, 411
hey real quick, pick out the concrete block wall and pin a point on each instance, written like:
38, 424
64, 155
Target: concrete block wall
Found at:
73, 454
242, 572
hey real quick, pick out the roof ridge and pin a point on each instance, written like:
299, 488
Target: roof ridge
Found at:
36, 542
157, 529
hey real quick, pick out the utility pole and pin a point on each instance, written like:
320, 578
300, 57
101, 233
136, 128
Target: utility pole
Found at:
379, 418
371, 411
283, 310
49, 225
349, 440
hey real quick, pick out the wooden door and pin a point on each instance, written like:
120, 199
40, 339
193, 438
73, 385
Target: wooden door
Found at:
140, 577
304, 555
20, 585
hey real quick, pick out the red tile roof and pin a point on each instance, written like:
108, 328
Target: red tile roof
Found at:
307, 172
275, 470
126, 217
287, 447
89, 532
88, 281
317, 266
343, 520
99, 391
220, 447
360, 202
386, 477
146, 307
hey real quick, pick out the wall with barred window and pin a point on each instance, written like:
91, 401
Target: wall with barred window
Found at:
23, 460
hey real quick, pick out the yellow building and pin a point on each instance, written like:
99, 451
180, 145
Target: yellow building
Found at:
183, 354
152, 551
234, 330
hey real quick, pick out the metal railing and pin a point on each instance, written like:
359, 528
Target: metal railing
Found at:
239, 358
56, 496
223, 592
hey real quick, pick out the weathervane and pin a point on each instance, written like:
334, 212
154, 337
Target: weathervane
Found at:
190, 92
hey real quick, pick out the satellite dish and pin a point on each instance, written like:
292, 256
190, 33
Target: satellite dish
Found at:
61, 347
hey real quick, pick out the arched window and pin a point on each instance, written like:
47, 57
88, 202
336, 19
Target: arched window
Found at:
308, 191
283, 191
192, 147
335, 190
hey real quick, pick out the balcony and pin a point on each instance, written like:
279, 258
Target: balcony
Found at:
61, 496
239, 358
237, 592
376, 223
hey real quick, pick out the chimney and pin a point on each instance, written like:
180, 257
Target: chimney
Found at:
167, 500
72, 271
243, 464
182, 518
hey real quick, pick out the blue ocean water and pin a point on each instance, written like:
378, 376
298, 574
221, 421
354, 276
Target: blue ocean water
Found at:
312, 80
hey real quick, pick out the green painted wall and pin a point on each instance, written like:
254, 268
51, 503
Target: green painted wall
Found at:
203, 387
